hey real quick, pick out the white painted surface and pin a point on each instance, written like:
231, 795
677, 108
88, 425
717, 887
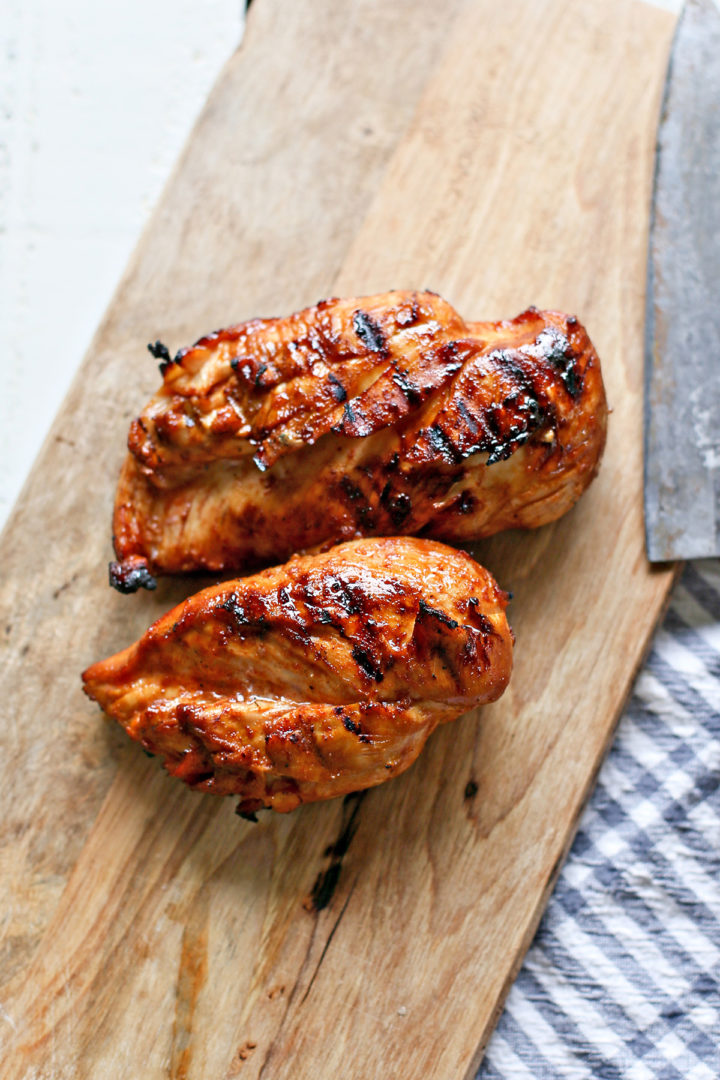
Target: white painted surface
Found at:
96, 101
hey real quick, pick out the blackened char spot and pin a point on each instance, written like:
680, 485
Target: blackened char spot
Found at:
343, 596
364, 661
361, 508
162, 353
498, 449
398, 506
350, 725
435, 613
235, 608
129, 578
406, 387
442, 445
338, 390
482, 620
559, 352
369, 332
242, 620
353, 492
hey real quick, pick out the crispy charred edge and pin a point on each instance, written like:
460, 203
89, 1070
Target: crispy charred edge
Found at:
131, 574
160, 351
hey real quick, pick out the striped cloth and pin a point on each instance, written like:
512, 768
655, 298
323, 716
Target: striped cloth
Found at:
622, 979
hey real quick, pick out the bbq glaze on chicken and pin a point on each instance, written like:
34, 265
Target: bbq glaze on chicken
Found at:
374, 416
316, 678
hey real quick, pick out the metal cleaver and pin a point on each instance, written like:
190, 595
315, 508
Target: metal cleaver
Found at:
682, 342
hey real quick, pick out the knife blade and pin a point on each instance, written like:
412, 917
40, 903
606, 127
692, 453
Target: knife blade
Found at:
682, 332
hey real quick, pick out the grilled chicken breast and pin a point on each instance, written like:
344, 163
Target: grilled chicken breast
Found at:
316, 678
378, 416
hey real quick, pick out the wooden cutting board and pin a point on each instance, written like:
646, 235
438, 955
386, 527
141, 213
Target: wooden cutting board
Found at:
502, 155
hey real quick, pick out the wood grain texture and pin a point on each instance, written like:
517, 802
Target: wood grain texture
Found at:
502, 155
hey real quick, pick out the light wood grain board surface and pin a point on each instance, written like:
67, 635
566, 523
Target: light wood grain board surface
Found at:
500, 154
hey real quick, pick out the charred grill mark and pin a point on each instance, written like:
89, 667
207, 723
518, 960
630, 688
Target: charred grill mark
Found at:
499, 446
233, 606
442, 445
435, 613
323, 616
525, 398
365, 662
349, 416
360, 505
482, 620
406, 387
350, 725
338, 390
243, 620
467, 417
510, 424
344, 597
259, 374
558, 351
369, 332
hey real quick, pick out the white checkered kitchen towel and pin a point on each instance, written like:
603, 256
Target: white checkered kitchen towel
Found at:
622, 981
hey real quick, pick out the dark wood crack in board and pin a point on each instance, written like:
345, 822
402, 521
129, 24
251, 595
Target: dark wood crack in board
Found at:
502, 155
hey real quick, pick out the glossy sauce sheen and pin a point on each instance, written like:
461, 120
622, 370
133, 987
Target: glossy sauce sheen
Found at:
373, 416
316, 678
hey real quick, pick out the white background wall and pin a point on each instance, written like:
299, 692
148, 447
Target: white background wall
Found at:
96, 100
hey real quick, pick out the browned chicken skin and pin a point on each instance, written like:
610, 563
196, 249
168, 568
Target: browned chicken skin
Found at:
372, 416
316, 678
